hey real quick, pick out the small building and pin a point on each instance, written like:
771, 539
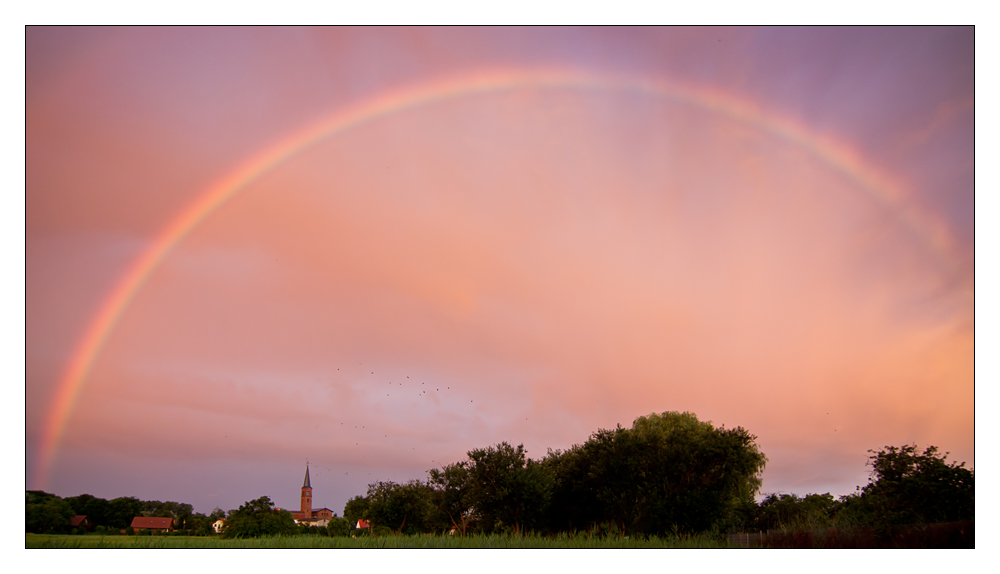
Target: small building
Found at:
80, 521
154, 523
218, 525
363, 524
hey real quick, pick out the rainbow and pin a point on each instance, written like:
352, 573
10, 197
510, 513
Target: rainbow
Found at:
882, 188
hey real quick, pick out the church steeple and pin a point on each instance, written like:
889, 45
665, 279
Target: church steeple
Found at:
307, 496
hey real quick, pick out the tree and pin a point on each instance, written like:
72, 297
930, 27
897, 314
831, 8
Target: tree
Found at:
338, 526
199, 525
44, 512
95, 509
356, 509
451, 494
122, 510
907, 487
695, 474
259, 517
399, 507
506, 490
669, 473
598, 481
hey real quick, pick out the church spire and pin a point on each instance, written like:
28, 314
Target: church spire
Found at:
305, 483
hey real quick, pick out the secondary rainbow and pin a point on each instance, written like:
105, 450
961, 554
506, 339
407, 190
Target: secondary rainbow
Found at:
882, 188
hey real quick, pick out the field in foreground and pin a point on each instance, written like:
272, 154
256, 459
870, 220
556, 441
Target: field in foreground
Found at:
496, 541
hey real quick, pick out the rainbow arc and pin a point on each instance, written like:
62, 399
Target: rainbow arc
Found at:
884, 189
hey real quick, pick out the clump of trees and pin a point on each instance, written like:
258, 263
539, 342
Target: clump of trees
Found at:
910, 487
668, 473
259, 517
905, 487
48, 513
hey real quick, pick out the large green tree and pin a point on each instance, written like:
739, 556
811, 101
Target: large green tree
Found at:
909, 487
507, 491
259, 517
670, 472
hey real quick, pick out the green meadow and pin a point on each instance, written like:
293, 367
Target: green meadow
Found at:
404, 541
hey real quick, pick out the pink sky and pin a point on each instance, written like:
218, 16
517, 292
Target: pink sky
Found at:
526, 265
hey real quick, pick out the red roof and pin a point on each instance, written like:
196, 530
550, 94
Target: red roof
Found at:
78, 520
362, 524
152, 522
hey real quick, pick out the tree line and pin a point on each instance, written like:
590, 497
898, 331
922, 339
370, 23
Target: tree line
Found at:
45, 512
668, 474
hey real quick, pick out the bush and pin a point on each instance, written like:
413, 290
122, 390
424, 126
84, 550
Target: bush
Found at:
338, 527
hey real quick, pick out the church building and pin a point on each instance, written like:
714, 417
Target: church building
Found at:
307, 514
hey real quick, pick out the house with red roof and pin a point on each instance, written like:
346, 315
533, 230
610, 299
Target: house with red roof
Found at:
80, 521
153, 523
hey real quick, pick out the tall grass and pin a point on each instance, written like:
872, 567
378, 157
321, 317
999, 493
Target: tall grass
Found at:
386, 542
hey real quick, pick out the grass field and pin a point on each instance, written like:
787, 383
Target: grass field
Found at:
495, 541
